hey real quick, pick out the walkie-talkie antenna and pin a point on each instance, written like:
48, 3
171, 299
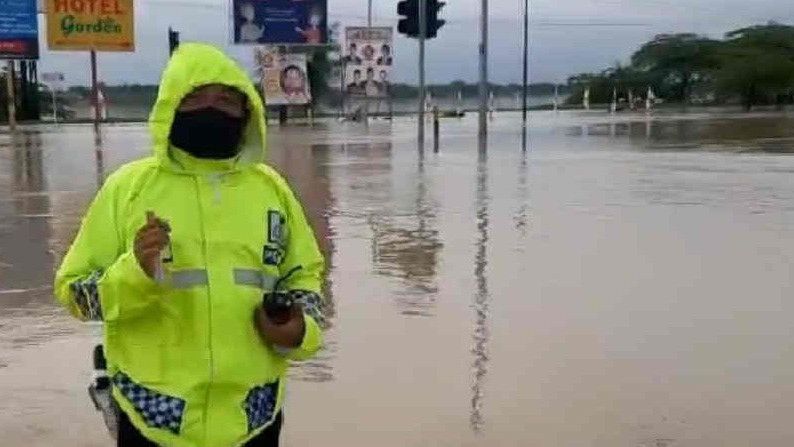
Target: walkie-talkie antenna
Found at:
285, 278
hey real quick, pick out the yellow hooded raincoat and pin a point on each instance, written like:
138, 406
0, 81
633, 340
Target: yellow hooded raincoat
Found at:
184, 357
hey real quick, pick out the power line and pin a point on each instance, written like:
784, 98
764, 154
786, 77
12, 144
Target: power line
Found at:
469, 21
389, 18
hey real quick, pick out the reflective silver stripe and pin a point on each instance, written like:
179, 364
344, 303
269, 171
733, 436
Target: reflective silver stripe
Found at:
254, 278
185, 279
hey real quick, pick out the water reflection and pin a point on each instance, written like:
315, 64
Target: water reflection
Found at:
611, 340
407, 247
26, 255
770, 134
26, 231
481, 297
307, 169
520, 217
99, 156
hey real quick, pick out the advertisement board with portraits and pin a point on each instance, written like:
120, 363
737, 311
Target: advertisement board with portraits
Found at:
369, 57
284, 79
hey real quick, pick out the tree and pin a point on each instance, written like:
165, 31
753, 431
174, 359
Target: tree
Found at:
757, 64
318, 69
677, 61
772, 37
619, 79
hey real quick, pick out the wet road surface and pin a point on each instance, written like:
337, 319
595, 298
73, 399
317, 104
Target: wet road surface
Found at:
627, 282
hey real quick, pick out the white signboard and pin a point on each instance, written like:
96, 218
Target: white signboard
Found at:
52, 77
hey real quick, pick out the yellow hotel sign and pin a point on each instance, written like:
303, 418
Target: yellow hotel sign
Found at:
102, 25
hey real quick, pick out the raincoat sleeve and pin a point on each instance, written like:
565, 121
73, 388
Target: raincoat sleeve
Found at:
99, 279
306, 284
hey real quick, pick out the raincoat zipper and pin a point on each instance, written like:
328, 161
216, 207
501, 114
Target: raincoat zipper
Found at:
204, 248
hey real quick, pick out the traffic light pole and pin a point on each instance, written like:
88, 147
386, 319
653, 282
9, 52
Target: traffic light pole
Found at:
422, 92
526, 68
11, 101
415, 15
95, 98
369, 25
483, 124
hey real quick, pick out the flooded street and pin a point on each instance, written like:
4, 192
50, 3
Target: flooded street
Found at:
627, 282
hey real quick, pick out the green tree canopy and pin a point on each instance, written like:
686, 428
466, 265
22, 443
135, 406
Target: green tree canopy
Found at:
677, 61
757, 63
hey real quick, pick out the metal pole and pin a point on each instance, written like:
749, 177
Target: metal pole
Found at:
422, 92
436, 130
342, 76
95, 94
391, 103
483, 127
54, 105
366, 98
526, 67
12, 107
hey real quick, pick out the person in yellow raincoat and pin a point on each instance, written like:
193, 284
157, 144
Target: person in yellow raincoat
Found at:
202, 267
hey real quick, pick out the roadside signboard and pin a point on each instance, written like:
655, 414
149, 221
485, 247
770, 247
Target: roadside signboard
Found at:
283, 77
368, 61
52, 77
101, 25
293, 22
19, 29
53, 80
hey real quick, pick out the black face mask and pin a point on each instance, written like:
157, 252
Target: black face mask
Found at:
207, 133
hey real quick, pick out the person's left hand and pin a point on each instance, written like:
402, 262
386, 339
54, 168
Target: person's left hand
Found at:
286, 335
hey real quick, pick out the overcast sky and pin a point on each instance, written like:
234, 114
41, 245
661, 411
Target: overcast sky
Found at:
567, 36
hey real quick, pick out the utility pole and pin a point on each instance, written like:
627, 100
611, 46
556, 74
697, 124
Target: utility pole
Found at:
422, 92
173, 40
483, 127
419, 19
526, 68
54, 104
369, 25
12, 107
95, 96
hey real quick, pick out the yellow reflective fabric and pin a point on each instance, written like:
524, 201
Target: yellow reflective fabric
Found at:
189, 367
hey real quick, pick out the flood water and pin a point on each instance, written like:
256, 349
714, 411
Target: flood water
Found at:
627, 282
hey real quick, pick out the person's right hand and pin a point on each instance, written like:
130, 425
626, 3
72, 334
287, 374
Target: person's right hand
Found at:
150, 241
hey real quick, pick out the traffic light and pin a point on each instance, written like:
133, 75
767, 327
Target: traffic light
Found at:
433, 22
409, 17
173, 40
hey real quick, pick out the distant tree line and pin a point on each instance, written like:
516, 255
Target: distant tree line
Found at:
753, 66
400, 91
146, 94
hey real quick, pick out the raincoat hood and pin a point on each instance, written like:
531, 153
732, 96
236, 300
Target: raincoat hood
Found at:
194, 65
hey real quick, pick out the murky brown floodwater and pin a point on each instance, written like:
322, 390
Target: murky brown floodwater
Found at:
626, 283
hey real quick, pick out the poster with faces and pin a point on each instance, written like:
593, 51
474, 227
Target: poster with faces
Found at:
284, 78
368, 61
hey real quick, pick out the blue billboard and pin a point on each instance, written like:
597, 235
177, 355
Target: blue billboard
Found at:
291, 22
19, 29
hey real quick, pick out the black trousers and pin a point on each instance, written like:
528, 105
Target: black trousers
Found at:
129, 436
